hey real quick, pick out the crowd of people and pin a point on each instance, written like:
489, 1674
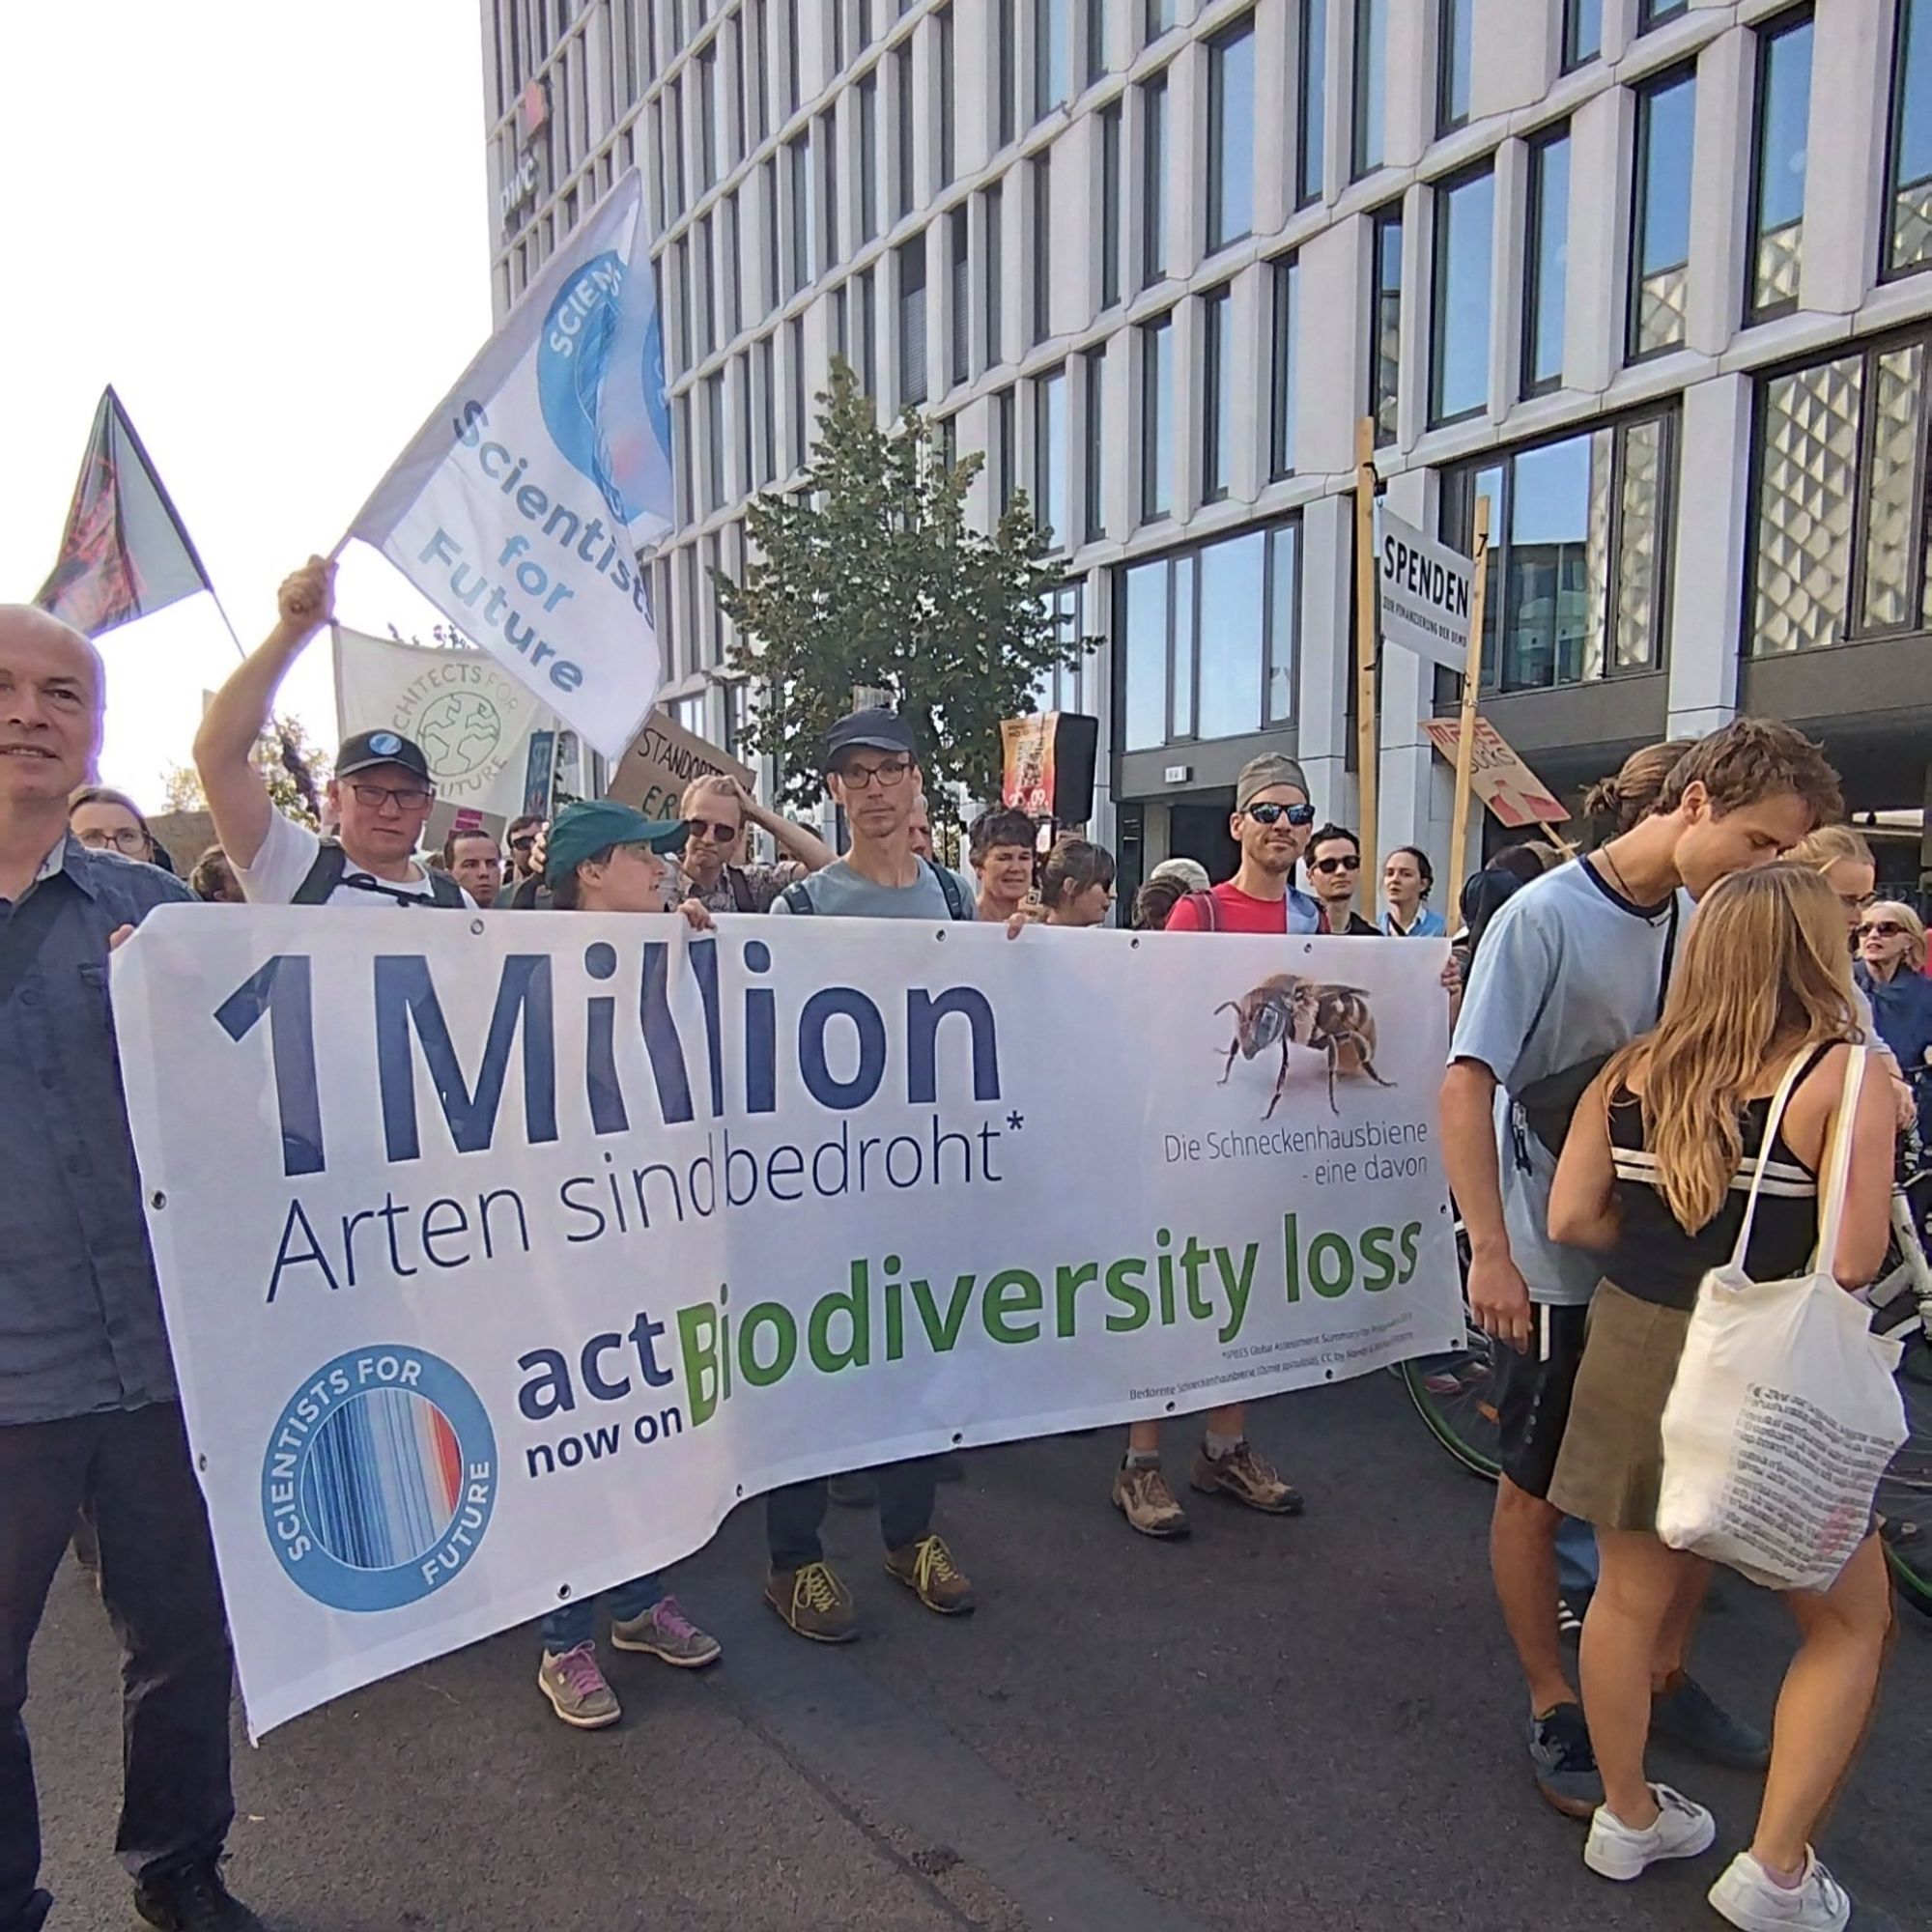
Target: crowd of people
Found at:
1634, 1027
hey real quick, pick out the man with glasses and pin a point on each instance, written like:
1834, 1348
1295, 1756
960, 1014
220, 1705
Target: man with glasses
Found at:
522, 846
715, 808
872, 769
380, 794
1335, 874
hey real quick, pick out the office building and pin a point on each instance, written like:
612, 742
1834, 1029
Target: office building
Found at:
1647, 272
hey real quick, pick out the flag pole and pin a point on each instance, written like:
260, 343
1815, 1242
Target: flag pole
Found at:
1472, 678
1365, 651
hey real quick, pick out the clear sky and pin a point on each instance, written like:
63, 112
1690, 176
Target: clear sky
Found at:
267, 225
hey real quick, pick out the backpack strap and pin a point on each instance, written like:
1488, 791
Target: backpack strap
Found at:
948, 885
741, 890
443, 891
323, 875
1206, 911
796, 898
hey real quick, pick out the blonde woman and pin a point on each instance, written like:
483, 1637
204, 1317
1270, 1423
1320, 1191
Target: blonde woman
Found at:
1890, 972
1846, 861
1655, 1174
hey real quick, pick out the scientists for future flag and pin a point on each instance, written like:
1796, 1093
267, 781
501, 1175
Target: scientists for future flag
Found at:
519, 508
124, 552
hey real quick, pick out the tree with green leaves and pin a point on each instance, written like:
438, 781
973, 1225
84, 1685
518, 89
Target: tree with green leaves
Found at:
869, 578
292, 765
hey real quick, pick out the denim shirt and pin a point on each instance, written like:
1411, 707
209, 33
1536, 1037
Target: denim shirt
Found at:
80, 1311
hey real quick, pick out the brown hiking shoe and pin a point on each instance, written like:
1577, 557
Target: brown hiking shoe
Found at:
1244, 1475
925, 1568
1141, 1494
815, 1603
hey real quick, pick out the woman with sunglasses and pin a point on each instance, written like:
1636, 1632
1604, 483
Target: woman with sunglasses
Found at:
1891, 972
715, 809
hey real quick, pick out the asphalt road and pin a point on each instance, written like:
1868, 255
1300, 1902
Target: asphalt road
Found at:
1278, 1724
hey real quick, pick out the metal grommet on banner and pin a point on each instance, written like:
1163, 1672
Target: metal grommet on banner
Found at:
940, 934
157, 1199
958, 1437
1135, 947
476, 926
563, 1592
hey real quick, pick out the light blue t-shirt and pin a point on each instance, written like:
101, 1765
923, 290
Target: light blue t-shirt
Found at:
837, 891
1567, 969
1429, 924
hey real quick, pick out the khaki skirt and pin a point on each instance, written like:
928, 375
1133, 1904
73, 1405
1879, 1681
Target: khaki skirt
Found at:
1610, 1466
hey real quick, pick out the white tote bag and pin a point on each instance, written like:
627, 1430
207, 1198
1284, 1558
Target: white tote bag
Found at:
1784, 1412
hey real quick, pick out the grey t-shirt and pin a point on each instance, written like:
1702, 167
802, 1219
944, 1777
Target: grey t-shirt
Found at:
837, 891
1567, 969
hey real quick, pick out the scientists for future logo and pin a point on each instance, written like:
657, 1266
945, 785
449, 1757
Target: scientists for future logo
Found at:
601, 386
379, 1479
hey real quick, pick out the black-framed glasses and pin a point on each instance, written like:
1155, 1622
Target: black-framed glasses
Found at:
526, 843
129, 839
886, 777
1353, 862
407, 798
1267, 811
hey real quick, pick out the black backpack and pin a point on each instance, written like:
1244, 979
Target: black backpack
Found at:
331, 867
798, 900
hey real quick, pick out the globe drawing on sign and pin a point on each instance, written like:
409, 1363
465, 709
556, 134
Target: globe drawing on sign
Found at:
461, 733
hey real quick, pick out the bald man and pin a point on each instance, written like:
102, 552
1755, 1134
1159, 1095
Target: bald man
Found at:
89, 1418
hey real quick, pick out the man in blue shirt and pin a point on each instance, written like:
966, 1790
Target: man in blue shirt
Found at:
89, 1418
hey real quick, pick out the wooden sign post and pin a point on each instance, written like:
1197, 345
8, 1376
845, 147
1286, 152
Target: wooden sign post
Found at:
1367, 605
1472, 679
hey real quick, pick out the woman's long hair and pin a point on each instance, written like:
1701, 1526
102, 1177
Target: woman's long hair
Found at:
1764, 961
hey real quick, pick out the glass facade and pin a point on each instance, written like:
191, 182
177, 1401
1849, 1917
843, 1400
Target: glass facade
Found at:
1583, 32
1218, 394
1281, 365
1112, 211
1372, 24
1459, 333
1230, 135
1455, 60
1667, 113
1311, 95
1385, 323
1156, 417
1050, 456
1546, 263
1779, 137
1154, 181
1908, 240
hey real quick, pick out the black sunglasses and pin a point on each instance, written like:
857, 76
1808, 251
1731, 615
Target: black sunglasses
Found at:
1350, 863
1267, 811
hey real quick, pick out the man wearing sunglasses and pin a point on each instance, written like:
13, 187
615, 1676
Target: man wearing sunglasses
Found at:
379, 797
1335, 874
715, 808
521, 841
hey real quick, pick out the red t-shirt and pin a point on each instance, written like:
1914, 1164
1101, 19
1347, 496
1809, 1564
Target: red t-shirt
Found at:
1237, 911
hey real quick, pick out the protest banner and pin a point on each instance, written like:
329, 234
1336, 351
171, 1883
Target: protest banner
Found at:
502, 1258
1424, 589
518, 509
1506, 785
662, 760
472, 719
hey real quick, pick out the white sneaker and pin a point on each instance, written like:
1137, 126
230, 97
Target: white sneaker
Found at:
1748, 1898
1682, 1830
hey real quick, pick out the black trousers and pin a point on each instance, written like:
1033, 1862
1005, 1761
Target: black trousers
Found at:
793, 1514
130, 1470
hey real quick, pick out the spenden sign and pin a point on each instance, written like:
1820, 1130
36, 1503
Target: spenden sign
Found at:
1425, 590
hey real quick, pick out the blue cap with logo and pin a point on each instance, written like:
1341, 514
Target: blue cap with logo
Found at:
579, 832
366, 750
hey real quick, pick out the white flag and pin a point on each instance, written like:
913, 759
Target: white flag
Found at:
471, 718
519, 508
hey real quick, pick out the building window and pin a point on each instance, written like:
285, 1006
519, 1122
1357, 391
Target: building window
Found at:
912, 321
1156, 417
1908, 243
868, 157
707, 115
1455, 58
1385, 323
827, 174
679, 200
1207, 645
706, 278
1230, 135
774, 222
1042, 247
837, 10
766, 412
735, 280
715, 442
1006, 68
868, 326
795, 355
1154, 181
959, 294
996, 290
1286, 275
1583, 32
1005, 433
1097, 40
1458, 333
1111, 211
1062, 688
1653, 12
1778, 166
759, 62
1312, 135
1371, 84
902, 88
1839, 539
1218, 394
1049, 455
1052, 55
791, 37
947, 85
1546, 262
1667, 113
1579, 552
1157, 16
1096, 519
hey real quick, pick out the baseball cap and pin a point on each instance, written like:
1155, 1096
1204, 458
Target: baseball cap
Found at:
1264, 774
579, 832
366, 750
873, 730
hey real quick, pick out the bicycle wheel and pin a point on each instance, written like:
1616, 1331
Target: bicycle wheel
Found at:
1452, 1391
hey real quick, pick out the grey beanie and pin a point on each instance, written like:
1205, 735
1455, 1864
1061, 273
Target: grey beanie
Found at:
1262, 774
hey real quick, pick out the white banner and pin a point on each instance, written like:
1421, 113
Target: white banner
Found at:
518, 509
1425, 588
472, 719
503, 1256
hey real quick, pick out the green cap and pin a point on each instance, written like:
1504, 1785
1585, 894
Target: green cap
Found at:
579, 832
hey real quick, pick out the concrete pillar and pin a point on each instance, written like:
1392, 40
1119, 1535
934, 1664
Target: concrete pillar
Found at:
1720, 193
1707, 581
1844, 168
1600, 148
1323, 670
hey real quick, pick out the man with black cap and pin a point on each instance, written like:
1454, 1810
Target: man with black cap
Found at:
872, 769
380, 794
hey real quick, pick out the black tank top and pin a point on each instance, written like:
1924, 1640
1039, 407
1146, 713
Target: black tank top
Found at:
1656, 1260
